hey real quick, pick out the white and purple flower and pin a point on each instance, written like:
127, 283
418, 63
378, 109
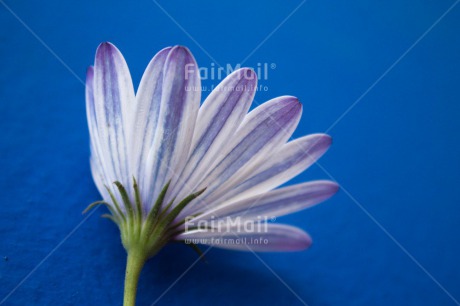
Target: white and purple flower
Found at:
188, 164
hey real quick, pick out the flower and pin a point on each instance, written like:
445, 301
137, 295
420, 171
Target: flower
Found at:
189, 165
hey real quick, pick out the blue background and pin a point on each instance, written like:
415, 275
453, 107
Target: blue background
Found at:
395, 154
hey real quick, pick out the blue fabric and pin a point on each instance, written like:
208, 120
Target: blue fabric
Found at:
396, 153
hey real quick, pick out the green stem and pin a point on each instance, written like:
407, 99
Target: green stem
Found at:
134, 265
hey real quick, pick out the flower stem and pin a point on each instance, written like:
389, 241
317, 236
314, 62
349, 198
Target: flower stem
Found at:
134, 265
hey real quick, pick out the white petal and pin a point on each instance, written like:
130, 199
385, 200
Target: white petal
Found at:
180, 100
113, 100
97, 170
146, 113
275, 203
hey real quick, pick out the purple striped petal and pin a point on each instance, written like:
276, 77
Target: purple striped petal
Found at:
273, 238
91, 116
147, 111
97, 170
292, 159
262, 131
275, 203
89, 95
222, 111
113, 99
180, 101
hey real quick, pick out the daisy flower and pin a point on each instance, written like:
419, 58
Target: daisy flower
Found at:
169, 169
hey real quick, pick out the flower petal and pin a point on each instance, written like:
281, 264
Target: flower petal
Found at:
275, 203
146, 113
99, 179
91, 115
272, 238
113, 100
180, 101
292, 159
262, 131
97, 172
96, 165
222, 111
89, 94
